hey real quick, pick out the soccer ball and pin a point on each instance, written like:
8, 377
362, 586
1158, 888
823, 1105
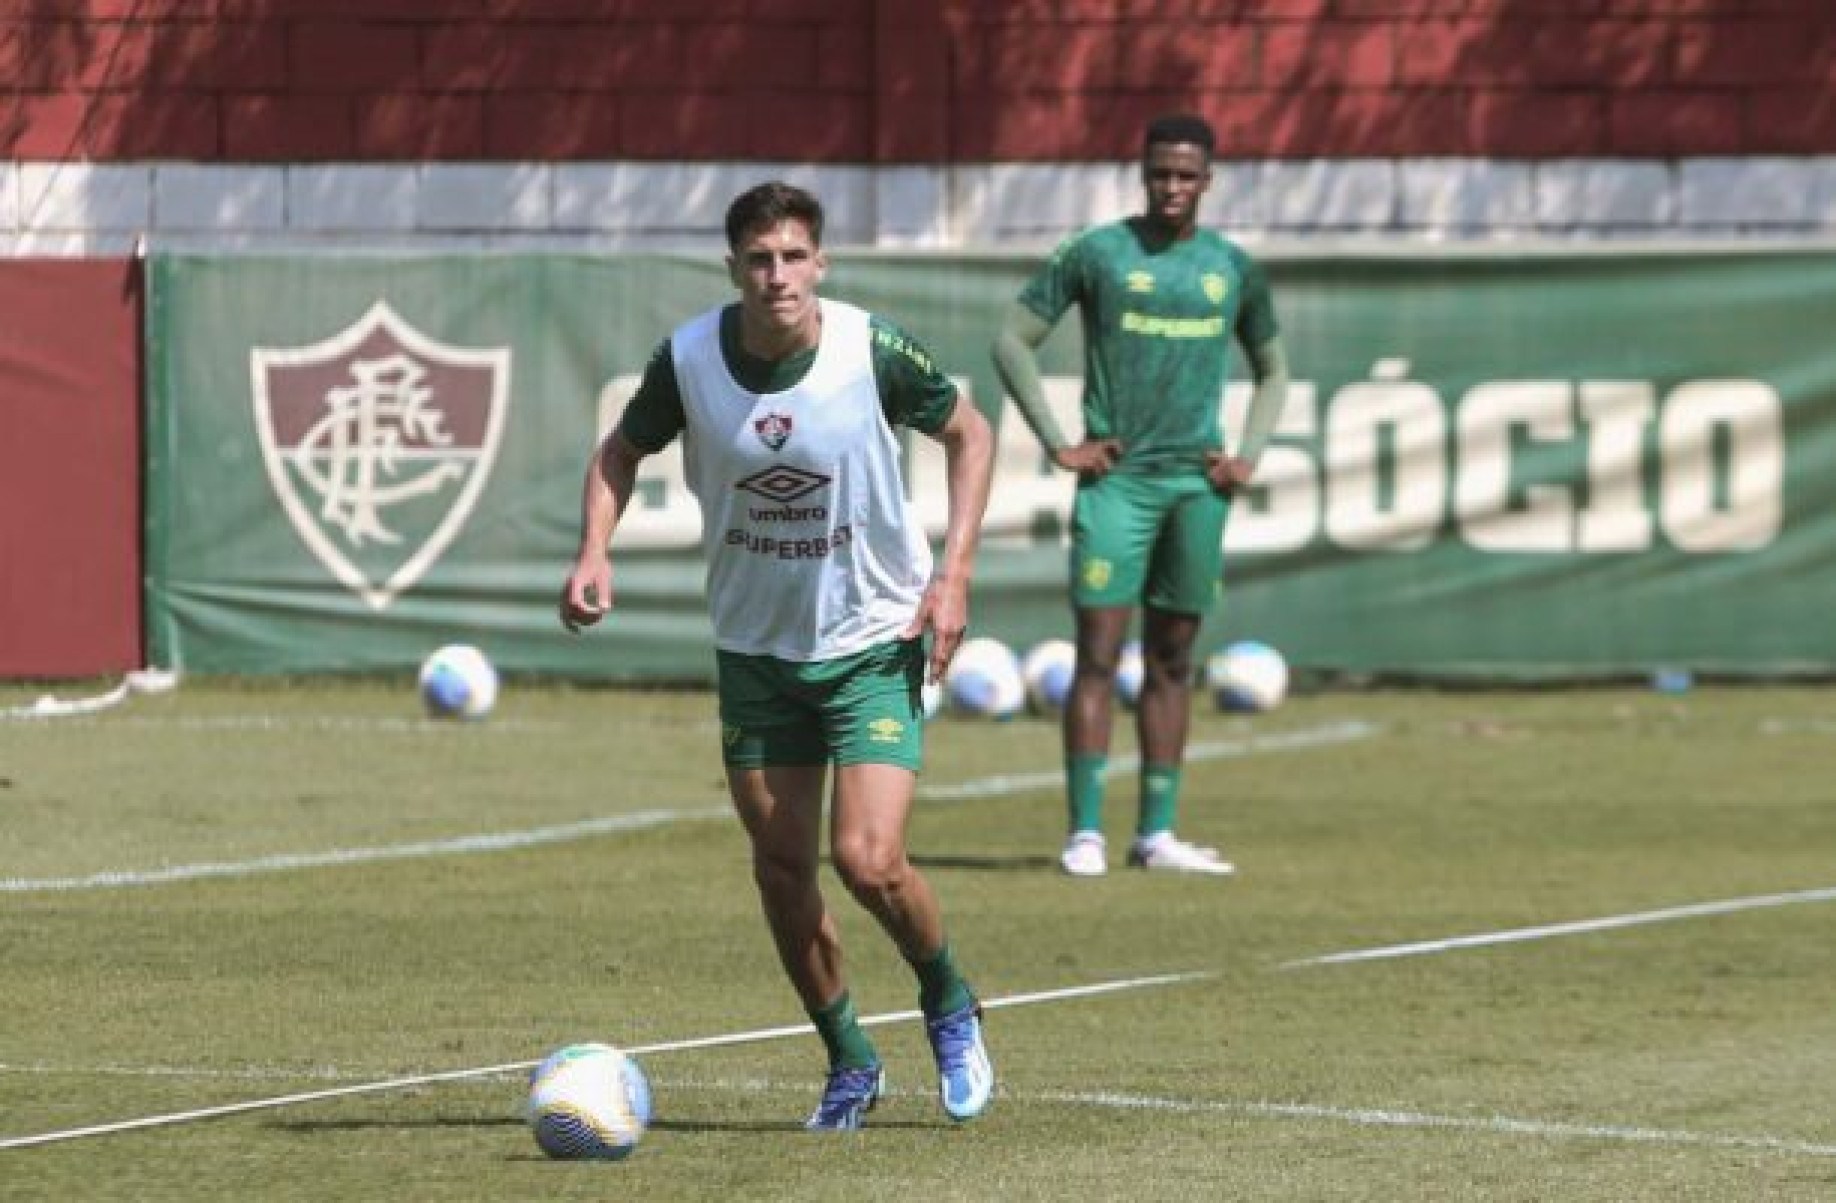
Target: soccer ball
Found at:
984, 680
458, 682
1047, 671
1129, 672
1247, 676
588, 1102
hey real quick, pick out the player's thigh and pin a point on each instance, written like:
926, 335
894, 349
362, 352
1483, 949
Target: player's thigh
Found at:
873, 802
781, 808
1186, 571
765, 719
1113, 525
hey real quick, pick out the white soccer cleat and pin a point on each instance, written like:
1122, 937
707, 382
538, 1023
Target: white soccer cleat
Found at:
1085, 855
965, 1075
1167, 853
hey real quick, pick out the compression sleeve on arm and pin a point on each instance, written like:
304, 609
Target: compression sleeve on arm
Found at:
1022, 331
1269, 365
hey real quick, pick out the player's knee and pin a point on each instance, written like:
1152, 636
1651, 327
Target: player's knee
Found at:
1167, 666
870, 868
1096, 666
779, 872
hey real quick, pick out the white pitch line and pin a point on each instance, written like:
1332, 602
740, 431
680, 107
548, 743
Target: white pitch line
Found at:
1518, 935
455, 1075
1227, 749
1508, 1125
255, 1074
1503, 1125
281, 862
984, 787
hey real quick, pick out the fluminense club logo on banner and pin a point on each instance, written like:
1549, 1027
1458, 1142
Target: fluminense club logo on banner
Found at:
378, 442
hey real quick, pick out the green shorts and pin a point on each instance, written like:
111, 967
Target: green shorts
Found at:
1152, 539
867, 708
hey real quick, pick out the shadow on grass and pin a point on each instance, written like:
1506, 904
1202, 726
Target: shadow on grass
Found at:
310, 1127
986, 864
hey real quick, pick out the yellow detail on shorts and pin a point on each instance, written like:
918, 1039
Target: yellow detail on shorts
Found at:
730, 735
1215, 287
1096, 573
1155, 326
885, 731
1141, 281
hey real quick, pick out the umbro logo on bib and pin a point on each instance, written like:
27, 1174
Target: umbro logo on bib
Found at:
774, 430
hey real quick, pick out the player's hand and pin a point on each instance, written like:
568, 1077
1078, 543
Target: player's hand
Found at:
1228, 474
944, 609
587, 595
1091, 459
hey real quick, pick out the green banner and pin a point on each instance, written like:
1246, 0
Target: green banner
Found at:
1526, 465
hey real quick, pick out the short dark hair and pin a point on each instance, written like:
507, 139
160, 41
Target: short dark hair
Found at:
768, 204
1175, 128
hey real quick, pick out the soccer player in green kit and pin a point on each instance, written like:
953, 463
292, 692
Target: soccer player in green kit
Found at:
1161, 301
821, 586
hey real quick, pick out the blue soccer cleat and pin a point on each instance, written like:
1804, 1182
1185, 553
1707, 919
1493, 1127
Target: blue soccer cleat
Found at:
847, 1097
965, 1075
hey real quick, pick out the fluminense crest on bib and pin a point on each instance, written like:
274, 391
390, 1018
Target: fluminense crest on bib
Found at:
378, 442
774, 430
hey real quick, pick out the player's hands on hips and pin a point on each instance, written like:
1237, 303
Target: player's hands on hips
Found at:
588, 593
1091, 459
945, 610
1228, 474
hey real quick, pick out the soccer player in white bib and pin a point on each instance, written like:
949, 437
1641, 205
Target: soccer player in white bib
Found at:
822, 586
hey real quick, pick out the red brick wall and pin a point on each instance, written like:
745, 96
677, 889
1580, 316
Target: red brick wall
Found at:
909, 81
69, 467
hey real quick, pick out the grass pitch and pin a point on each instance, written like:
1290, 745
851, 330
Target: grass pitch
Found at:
237, 892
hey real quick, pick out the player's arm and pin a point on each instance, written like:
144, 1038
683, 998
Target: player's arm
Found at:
914, 392
1268, 360
1060, 284
1269, 368
610, 480
651, 419
968, 444
1016, 361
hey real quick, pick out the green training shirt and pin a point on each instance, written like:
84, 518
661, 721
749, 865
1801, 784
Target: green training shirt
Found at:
1158, 319
913, 392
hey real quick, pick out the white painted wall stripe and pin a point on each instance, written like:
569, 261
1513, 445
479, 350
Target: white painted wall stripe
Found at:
66, 208
1518, 935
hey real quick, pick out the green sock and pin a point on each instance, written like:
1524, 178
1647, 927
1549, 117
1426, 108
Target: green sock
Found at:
1084, 789
844, 1037
1159, 798
941, 988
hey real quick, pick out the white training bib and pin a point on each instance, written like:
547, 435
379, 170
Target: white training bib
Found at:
812, 549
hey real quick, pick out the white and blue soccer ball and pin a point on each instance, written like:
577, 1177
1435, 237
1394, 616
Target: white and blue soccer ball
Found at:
1130, 672
1247, 677
984, 680
588, 1102
1047, 670
458, 681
